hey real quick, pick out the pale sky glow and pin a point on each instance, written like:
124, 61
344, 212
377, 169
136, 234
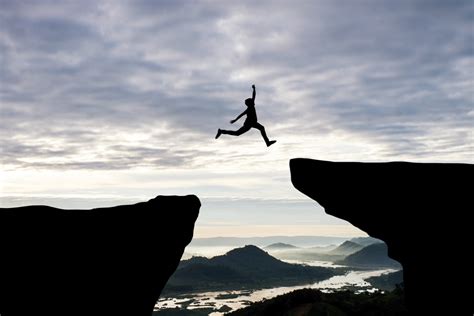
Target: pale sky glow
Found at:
107, 102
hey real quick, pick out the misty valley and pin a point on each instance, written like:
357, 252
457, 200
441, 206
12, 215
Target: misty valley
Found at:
218, 275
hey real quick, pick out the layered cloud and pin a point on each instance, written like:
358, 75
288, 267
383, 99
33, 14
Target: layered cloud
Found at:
115, 85
113, 102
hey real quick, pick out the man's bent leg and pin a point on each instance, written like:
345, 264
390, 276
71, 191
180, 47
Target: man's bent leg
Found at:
238, 132
261, 128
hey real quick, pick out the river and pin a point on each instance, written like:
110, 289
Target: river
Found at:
239, 299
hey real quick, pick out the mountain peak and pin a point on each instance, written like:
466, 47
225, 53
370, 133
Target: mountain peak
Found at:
372, 255
347, 248
349, 243
249, 256
246, 250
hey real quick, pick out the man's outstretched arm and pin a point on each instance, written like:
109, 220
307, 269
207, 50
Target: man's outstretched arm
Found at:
254, 93
237, 118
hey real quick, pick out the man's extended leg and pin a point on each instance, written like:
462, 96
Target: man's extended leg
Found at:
264, 134
238, 132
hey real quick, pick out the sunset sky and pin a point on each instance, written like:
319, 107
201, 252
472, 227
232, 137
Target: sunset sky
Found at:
112, 102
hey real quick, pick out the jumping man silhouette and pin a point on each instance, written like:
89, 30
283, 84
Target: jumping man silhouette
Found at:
250, 121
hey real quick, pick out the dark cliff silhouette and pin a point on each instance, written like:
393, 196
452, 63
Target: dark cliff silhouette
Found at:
250, 121
105, 261
416, 209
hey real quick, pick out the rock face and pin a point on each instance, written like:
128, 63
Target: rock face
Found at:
105, 261
423, 213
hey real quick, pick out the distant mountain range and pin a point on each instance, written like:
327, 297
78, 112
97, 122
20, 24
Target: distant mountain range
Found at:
280, 246
366, 241
346, 248
243, 268
299, 241
374, 255
318, 253
322, 249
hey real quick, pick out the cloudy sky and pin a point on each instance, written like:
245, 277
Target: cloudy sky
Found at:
107, 102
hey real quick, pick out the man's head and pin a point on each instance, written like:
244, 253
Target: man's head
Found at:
249, 102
